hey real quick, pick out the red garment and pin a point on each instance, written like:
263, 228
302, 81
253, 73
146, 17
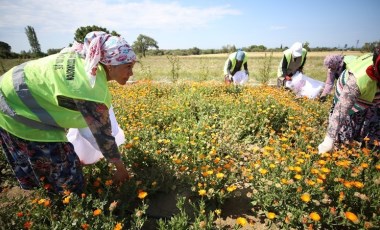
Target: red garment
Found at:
373, 71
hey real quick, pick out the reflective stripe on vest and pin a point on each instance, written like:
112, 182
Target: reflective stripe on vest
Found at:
26, 97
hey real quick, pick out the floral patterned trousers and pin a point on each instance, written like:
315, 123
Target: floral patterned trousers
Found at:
53, 165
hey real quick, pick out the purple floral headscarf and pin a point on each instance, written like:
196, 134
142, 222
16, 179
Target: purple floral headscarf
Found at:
333, 61
101, 47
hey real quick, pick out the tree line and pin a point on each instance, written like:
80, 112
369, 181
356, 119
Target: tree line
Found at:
145, 45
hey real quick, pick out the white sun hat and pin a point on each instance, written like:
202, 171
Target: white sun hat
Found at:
296, 49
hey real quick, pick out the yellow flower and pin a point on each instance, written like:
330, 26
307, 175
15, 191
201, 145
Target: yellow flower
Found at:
142, 194
263, 171
325, 170
271, 215
351, 216
305, 197
315, 216
241, 221
41, 201
298, 169
218, 212
202, 192
231, 188
219, 175
66, 200
298, 176
377, 166
97, 212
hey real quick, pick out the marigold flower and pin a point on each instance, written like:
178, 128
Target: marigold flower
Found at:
231, 188
84, 226
109, 182
351, 216
20, 214
219, 175
97, 212
28, 224
202, 192
41, 201
298, 177
218, 212
47, 203
358, 184
271, 215
377, 166
118, 226
315, 216
263, 171
142, 194
325, 170
305, 197
241, 221
66, 200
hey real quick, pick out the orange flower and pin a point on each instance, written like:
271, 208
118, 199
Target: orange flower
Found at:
118, 226
97, 212
351, 216
142, 194
85, 226
241, 221
20, 214
305, 197
47, 203
358, 184
315, 216
109, 182
28, 224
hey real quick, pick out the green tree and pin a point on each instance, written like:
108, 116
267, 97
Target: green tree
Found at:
81, 32
5, 50
143, 43
33, 41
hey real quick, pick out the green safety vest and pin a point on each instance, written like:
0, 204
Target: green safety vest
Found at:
288, 56
232, 57
29, 107
368, 88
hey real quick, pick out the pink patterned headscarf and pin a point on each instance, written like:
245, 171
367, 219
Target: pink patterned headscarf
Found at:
101, 47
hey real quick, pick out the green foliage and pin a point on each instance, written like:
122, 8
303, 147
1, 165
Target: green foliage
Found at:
143, 43
5, 50
175, 67
81, 32
265, 70
33, 41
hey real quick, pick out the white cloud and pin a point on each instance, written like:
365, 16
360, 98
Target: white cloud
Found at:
62, 15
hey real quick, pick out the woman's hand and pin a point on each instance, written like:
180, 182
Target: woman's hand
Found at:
121, 175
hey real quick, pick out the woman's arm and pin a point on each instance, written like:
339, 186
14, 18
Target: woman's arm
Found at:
347, 99
96, 116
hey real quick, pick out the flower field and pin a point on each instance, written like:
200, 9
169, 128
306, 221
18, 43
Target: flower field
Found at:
212, 144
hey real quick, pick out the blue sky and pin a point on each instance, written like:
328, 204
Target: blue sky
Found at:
206, 24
